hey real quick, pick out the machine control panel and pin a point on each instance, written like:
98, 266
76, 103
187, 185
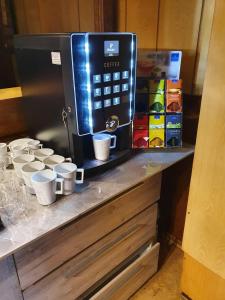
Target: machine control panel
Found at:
110, 60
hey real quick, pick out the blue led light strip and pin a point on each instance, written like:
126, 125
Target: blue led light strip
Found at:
90, 120
131, 76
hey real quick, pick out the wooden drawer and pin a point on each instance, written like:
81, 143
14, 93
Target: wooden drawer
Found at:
87, 268
132, 278
51, 251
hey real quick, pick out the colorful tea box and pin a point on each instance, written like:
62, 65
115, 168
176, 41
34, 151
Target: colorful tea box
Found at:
173, 138
140, 121
140, 138
156, 103
156, 138
159, 64
157, 86
174, 102
174, 121
173, 85
156, 121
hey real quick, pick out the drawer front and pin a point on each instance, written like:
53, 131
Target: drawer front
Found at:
51, 251
132, 278
89, 267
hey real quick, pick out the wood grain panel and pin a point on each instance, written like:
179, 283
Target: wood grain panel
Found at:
77, 275
32, 16
204, 236
142, 18
132, 278
121, 15
46, 254
12, 119
59, 15
203, 45
178, 30
199, 283
20, 15
86, 15
9, 284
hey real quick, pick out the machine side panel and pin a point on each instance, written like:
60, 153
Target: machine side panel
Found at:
43, 92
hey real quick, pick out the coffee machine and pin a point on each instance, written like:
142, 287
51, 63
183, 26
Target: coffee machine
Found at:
75, 85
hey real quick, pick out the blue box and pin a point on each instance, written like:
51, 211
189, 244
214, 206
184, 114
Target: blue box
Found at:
173, 138
174, 121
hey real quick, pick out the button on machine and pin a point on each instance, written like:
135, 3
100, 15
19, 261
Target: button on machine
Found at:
97, 92
97, 104
125, 74
124, 87
97, 78
107, 102
116, 88
107, 90
116, 76
116, 100
106, 77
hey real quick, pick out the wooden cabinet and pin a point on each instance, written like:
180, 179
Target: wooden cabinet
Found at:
45, 255
85, 269
129, 280
9, 284
83, 257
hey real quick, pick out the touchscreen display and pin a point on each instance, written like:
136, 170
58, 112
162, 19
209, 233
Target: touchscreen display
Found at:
111, 48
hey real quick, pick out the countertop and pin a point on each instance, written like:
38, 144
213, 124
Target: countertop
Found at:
26, 220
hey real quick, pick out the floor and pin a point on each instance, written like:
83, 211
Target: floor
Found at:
165, 284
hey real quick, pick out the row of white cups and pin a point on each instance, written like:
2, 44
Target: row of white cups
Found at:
44, 173
47, 174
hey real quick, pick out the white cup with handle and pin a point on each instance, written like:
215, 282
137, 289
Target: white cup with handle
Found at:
45, 185
20, 161
53, 160
28, 170
103, 142
19, 150
34, 145
68, 171
42, 153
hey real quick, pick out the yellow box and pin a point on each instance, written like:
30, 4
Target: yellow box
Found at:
156, 138
156, 121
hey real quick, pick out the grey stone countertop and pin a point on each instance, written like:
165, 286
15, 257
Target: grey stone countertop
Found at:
26, 220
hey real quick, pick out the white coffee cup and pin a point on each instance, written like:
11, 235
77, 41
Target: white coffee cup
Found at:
41, 154
28, 170
19, 142
19, 150
68, 171
53, 160
20, 161
34, 145
102, 145
45, 186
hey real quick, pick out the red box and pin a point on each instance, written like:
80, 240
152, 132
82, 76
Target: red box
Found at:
140, 138
140, 121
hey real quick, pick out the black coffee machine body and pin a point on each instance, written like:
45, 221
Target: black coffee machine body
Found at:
75, 85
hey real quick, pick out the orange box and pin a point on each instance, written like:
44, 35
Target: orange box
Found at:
174, 102
173, 85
